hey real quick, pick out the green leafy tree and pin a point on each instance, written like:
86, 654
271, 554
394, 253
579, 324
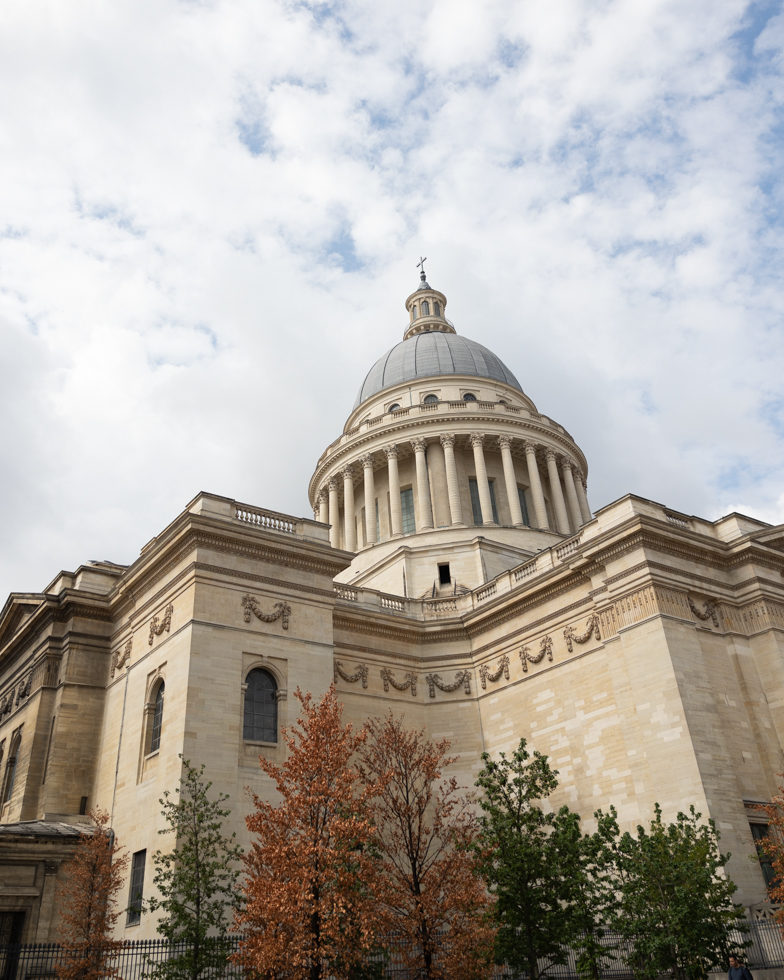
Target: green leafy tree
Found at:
675, 899
533, 862
197, 881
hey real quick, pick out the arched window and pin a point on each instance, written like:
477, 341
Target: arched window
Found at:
425, 308
394, 408
437, 308
261, 707
10, 769
469, 397
431, 399
413, 312
157, 719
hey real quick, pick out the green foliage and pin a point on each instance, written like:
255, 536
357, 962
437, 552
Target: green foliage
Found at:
532, 861
675, 902
197, 881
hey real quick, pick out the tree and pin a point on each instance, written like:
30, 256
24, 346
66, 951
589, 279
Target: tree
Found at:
433, 896
197, 881
310, 874
533, 861
771, 847
675, 899
88, 904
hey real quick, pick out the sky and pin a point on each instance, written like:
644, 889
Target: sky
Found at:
211, 215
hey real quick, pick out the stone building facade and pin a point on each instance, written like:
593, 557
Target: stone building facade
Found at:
453, 573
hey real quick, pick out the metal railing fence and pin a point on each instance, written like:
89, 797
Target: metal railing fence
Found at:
136, 960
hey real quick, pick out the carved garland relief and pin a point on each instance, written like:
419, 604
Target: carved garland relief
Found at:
592, 630
545, 649
361, 673
486, 675
119, 660
461, 677
282, 610
708, 612
157, 628
410, 681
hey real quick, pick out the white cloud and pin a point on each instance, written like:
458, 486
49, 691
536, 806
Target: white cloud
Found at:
210, 214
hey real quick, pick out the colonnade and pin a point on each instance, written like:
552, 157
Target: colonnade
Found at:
573, 504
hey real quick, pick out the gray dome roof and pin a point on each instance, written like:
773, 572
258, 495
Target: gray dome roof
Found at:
429, 355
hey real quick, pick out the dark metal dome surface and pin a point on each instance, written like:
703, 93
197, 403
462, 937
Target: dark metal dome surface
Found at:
431, 355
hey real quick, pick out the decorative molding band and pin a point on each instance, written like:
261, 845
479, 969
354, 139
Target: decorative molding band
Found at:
282, 610
592, 630
461, 677
157, 628
708, 611
503, 668
545, 649
360, 674
410, 681
119, 660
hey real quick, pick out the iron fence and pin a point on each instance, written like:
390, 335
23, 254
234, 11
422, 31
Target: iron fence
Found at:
136, 960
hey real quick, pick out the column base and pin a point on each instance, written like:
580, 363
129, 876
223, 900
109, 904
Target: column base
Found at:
490, 524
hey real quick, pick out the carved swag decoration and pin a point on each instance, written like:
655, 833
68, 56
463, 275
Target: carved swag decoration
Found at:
545, 649
388, 678
503, 668
119, 660
461, 677
709, 612
23, 691
361, 673
592, 630
282, 610
157, 628
15, 695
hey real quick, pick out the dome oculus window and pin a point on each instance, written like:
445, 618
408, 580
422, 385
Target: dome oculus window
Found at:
260, 722
394, 408
431, 399
469, 396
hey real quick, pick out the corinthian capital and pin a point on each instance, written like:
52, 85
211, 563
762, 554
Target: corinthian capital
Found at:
551, 454
322, 495
477, 439
348, 472
419, 445
504, 441
334, 484
566, 463
390, 451
447, 440
367, 461
529, 447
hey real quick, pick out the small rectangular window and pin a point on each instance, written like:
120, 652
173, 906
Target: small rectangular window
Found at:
476, 504
137, 888
492, 502
83, 806
523, 506
444, 578
407, 508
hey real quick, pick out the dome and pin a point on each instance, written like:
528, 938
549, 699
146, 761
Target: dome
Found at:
430, 355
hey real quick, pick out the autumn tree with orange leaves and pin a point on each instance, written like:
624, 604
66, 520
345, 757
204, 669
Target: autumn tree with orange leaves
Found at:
433, 896
311, 907
88, 904
771, 851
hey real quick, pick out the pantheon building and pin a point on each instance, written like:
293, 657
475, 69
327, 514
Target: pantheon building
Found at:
453, 572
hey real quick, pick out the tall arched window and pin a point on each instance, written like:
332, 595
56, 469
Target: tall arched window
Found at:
10, 769
157, 719
413, 312
261, 707
437, 306
425, 308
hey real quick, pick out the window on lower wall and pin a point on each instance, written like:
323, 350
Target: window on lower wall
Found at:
10, 769
759, 831
476, 504
407, 508
137, 888
260, 723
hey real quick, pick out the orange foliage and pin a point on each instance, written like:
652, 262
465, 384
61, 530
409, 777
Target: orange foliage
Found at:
88, 904
310, 894
773, 846
433, 896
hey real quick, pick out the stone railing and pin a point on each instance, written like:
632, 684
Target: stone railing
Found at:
678, 520
345, 592
524, 571
265, 518
486, 592
562, 551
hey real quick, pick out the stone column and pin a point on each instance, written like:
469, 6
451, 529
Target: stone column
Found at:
439, 495
571, 494
453, 490
540, 510
505, 443
323, 505
559, 504
395, 511
370, 498
350, 527
334, 513
485, 501
582, 496
423, 485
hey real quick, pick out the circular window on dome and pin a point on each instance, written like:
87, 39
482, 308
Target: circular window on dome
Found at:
431, 399
394, 408
469, 396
